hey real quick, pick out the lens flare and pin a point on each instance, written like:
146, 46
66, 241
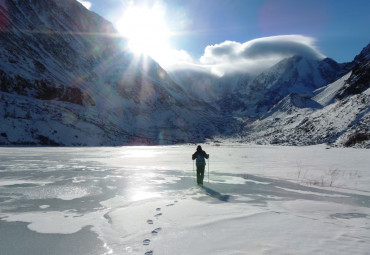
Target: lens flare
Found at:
145, 28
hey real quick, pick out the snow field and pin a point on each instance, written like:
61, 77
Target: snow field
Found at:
143, 200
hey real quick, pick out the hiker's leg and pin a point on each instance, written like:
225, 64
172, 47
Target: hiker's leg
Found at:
201, 174
198, 175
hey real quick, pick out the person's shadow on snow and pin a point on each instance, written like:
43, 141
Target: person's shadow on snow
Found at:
215, 194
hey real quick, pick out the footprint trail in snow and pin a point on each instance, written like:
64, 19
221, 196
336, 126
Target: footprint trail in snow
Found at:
156, 231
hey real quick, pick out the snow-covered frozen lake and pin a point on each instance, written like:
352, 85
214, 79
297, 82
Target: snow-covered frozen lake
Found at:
144, 200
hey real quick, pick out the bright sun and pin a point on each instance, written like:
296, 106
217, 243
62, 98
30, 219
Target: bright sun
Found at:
146, 30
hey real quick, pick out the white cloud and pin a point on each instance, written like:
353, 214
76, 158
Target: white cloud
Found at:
182, 56
172, 59
262, 48
87, 4
255, 55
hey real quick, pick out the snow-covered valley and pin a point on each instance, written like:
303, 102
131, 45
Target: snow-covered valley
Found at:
144, 200
68, 78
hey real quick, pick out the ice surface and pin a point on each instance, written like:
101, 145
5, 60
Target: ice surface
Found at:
144, 200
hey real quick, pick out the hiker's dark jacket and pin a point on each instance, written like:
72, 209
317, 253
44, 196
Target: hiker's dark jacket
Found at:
200, 156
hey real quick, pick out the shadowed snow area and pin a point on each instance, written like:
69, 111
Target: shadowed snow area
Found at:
144, 200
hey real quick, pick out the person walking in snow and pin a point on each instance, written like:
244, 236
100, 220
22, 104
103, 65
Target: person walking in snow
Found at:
200, 156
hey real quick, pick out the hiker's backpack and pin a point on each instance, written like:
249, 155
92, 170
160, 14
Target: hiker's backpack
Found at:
200, 159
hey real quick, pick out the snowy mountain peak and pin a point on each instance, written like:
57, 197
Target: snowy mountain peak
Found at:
67, 79
294, 75
337, 114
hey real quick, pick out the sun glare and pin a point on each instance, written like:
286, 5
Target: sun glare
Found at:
146, 29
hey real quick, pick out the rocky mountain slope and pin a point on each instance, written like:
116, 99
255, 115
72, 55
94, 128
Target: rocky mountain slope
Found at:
299, 101
67, 78
204, 86
292, 75
337, 114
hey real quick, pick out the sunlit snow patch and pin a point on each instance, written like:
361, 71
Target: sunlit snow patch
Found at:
142, 195
226, 179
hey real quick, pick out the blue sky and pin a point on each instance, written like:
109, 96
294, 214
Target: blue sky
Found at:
336, 28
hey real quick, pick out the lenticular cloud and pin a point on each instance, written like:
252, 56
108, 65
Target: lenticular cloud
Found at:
281, 46
268, 47
255, 55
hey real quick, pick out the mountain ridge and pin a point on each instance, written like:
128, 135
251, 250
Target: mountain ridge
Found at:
67, 78
71, 58
341, 119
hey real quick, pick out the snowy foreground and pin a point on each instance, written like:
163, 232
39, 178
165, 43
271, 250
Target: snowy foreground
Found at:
143, 200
